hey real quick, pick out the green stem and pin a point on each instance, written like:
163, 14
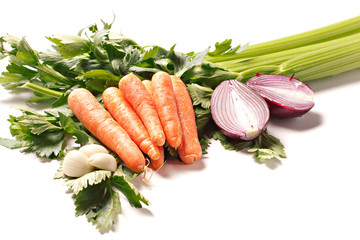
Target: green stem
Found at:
319, 35
244, 75
276, 58
43, 90
329, 68
326, 61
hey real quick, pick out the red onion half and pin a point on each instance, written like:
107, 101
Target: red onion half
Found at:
238, 111
287, 96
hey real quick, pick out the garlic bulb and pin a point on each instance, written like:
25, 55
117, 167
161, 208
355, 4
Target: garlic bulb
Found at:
103, 161
76, 164
92, 149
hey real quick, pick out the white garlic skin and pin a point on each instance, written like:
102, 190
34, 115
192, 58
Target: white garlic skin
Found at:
76, 164
103, 161
92, 149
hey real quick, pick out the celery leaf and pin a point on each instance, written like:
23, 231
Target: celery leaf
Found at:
134, 197
78, 184
49, 144
72, 128
184, 62
37, 124
100, 203
200, 95
12, 143
104, 217
267, 146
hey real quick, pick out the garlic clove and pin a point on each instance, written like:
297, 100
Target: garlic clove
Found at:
76, 164
92, 149
103, 161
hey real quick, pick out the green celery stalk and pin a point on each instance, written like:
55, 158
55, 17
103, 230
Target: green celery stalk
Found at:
242, 64
337, 58
43, 90
319, 35
307, 62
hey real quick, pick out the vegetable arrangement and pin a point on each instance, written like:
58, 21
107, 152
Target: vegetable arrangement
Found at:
126, 105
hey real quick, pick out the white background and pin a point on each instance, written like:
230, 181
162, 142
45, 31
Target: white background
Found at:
313, 194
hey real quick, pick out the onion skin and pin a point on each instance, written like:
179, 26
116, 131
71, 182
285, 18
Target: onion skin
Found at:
287, 96
238, 111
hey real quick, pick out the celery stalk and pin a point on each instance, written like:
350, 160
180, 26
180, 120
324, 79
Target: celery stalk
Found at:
330, 68
330, 59
333, 53
323, 34
43, 90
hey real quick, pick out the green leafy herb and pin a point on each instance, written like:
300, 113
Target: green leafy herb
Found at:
135, 197
265, 146
44, 134
100, 203
12, 143
184, 62
72, 128
70, 46
201, 95
96, 196
78, 184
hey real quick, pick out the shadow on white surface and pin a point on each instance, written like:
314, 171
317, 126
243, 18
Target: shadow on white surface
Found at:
308, 121
333, 82
174, 166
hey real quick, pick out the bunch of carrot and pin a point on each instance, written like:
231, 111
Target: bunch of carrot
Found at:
140, 117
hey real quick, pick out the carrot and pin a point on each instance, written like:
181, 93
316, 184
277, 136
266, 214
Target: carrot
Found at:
100, 123
165, 103
147, 84
190, 148
125, 115
139, 98
156, 163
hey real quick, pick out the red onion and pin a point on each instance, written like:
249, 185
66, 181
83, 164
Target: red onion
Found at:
238, 111
287, 96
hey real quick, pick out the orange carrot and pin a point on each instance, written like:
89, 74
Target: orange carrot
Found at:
190, 148
139, 98
156, 163
100, 123
147, 84
165, 103
125, 115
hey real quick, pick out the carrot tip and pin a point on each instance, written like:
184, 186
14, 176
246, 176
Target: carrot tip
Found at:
189, 159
